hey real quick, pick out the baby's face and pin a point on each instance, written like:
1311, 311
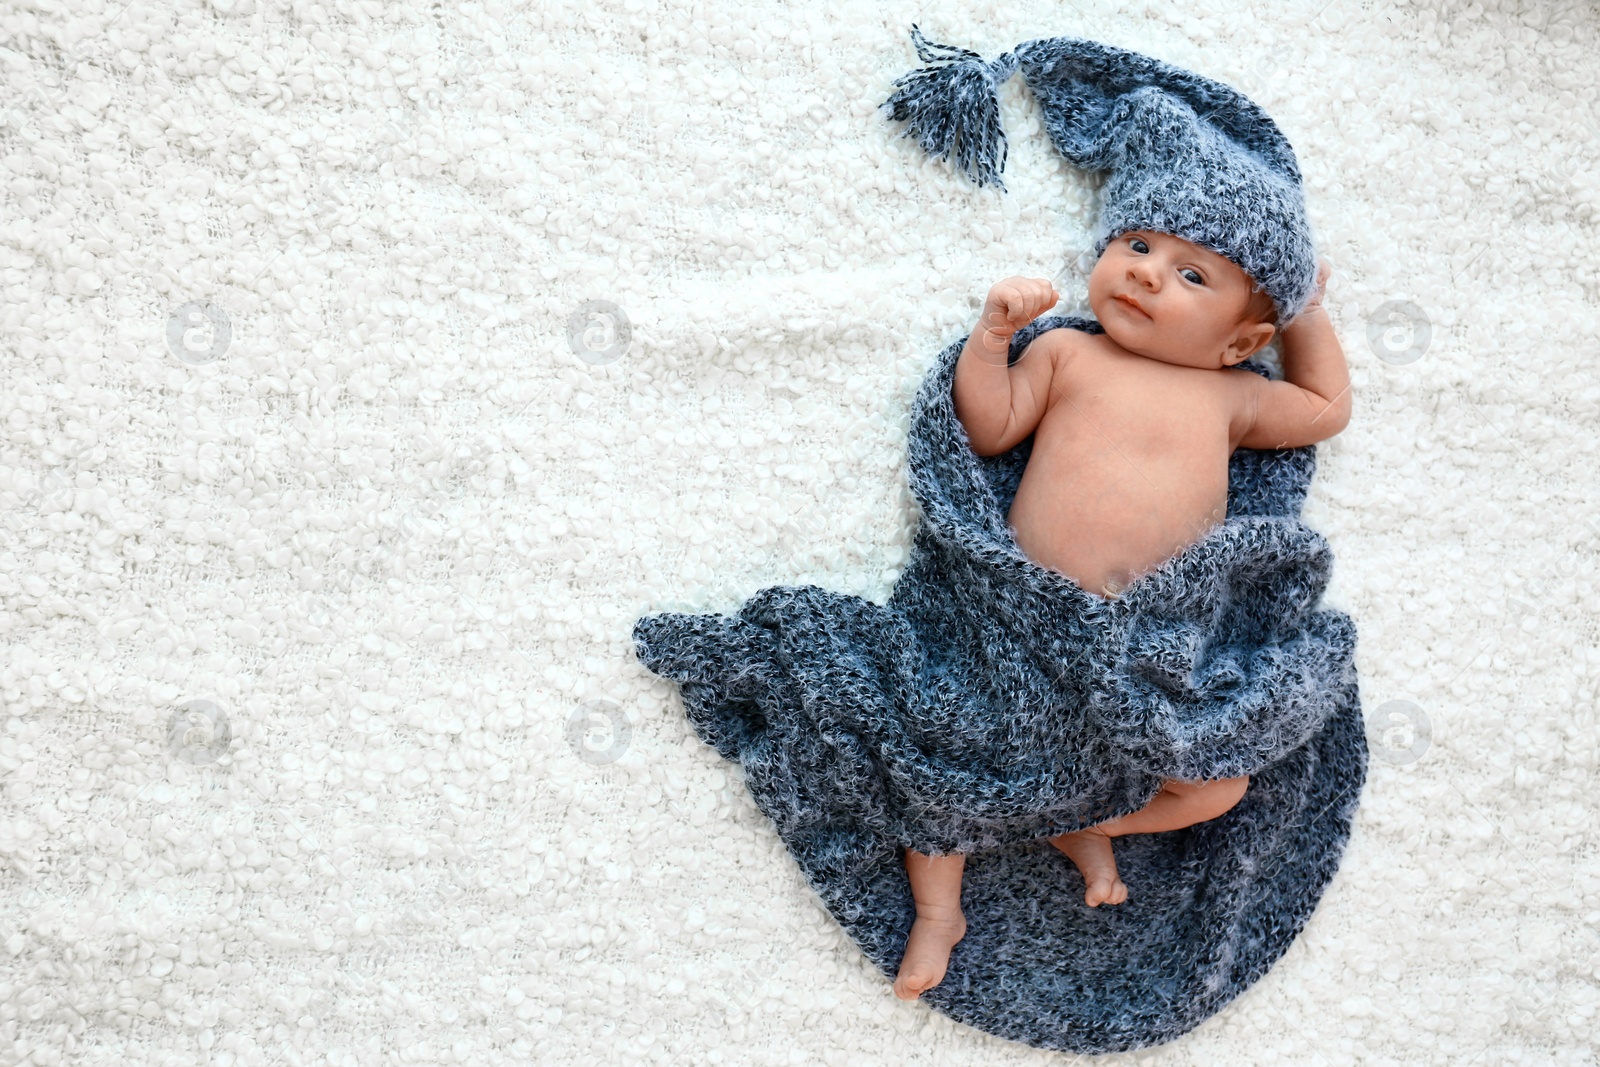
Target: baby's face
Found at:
1191, 299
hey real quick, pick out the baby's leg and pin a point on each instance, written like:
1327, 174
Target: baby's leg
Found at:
936, 887
1177, 805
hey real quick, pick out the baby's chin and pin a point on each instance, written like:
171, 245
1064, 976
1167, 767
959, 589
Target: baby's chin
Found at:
1132, 342
1137, 336
1125, 330
1114, 322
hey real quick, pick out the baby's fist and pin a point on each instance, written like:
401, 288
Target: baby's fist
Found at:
1324, 269
1015, 302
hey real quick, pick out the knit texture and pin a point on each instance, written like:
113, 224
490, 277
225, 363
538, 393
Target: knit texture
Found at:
1183, 154
992, 702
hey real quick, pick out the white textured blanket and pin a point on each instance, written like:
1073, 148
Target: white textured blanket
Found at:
328, 497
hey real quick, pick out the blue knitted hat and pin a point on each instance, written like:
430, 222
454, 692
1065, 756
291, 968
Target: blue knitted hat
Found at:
1186, 155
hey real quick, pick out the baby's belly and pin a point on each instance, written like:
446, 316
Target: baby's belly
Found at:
1105, 521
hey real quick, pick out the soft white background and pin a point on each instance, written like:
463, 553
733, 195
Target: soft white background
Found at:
399, 531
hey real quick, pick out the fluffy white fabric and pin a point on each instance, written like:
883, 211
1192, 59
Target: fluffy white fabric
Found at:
396, 532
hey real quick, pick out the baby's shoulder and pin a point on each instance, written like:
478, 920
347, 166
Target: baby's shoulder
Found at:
1059, 332
1243, 382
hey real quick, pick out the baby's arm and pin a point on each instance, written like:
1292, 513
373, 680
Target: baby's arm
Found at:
1313, 402
999, 406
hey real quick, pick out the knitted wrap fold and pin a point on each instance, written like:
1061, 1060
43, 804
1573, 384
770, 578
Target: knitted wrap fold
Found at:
992, 702
1183, 154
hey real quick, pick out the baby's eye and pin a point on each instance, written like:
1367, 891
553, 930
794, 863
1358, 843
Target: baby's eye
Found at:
1138, 245
1194, 276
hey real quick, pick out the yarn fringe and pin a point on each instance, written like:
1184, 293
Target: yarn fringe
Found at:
952, 109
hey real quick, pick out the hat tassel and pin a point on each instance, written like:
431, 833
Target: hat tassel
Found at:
953, 108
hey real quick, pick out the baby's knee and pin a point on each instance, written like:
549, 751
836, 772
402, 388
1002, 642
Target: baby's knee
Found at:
1216, 798
1230, 789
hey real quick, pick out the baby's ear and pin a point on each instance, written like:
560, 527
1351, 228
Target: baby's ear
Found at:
1251, 339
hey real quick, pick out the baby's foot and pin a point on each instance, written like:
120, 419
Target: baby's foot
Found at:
1091, 850
928, 946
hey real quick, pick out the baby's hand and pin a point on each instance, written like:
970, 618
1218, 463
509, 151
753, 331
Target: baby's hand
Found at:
1015, 302
1323, 270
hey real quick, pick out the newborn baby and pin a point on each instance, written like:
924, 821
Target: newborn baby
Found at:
1133, 431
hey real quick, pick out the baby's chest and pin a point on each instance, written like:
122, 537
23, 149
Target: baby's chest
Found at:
1151, 412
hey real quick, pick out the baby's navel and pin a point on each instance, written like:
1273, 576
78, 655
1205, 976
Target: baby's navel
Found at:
1116, 583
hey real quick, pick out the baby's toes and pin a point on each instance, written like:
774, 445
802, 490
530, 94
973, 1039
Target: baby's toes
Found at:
910, 986
1105, 891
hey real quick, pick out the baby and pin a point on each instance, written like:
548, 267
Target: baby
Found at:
1133, 430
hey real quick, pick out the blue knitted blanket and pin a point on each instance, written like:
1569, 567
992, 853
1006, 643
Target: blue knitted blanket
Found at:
992, 703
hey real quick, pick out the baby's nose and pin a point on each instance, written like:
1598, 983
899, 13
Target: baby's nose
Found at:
1144, 275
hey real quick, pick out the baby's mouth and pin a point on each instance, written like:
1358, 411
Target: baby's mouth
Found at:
1129, 302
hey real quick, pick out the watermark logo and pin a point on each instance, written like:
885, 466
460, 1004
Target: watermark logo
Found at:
1257, 75
470, 459
599, 332
1399, 332
63, 84
198, 733
1399, 732
46, 489
813, 121
391, 141
459, 76
198, 333
598, 731
1528, 598
1072, 280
